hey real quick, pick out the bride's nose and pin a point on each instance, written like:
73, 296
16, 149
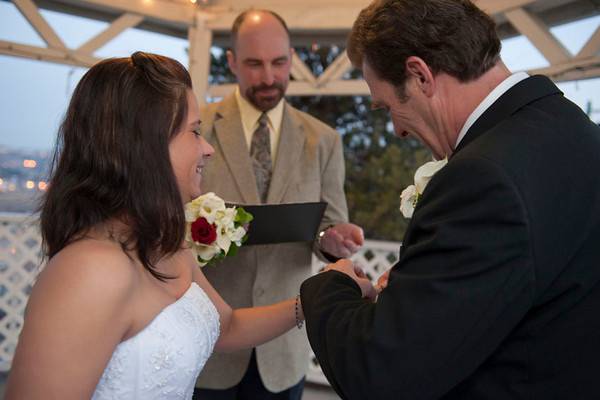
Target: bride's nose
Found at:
207, 149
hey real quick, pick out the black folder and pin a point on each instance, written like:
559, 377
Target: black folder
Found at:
281, 223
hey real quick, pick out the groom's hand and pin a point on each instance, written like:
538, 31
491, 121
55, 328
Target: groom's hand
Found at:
342, 240
355, 272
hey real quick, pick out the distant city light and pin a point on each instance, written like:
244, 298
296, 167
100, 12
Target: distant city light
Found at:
30, 185
42, 185
1, 181
29, 163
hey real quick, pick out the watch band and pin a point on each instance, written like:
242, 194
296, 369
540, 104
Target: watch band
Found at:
329, 257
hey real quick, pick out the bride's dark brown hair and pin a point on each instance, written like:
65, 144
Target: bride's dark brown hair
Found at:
111, 158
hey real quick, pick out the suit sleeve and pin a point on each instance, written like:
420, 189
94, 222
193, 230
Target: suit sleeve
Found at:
332, 187
464, 280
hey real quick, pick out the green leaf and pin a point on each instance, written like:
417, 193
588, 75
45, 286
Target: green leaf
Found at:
242, 216
233, 249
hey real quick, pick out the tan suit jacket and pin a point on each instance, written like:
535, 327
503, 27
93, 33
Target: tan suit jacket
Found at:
309, 167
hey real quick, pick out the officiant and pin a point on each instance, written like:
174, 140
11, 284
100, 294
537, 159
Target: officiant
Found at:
497, 289
268, 152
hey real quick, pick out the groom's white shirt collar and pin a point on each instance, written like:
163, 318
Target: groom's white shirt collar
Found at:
489, 100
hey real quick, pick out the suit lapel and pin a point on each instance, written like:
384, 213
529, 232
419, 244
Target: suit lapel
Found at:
230, 136
291, 144
518, 96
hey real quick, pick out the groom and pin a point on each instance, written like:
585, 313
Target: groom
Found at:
497, 291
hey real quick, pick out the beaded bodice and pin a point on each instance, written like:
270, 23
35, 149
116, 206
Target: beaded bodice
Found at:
164, 359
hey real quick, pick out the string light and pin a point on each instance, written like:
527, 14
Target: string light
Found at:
29, 163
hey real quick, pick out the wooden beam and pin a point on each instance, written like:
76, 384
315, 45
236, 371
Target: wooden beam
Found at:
570, 68
35, 19
323, 16
592, 46
338, 88
59, 56
336, 70
539, 35
301, 72
121, 24
493, 7
353, 87
298, 19
200, 38
159, 10
574, 75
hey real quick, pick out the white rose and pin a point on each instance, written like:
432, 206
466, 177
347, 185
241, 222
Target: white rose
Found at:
425, 172
236, 235
191, 212
224, 218
206, 253
188, 232
223, 240
207, 206
408, 200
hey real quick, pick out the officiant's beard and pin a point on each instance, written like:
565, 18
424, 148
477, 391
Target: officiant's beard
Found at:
265, 102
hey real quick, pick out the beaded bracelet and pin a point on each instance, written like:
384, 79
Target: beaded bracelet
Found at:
299, 323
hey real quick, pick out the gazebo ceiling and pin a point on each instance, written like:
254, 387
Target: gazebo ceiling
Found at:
323, 21
310, 21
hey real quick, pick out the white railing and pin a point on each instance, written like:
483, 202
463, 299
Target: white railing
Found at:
19, 265
20, 255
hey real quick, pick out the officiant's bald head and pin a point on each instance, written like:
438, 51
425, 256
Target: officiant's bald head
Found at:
257, 18
261, 57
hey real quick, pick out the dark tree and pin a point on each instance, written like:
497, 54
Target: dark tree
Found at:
379, 165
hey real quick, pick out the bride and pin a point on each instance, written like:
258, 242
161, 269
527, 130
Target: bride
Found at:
121, 309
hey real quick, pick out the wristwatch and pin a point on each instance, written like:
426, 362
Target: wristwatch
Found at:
329, 257
321, 234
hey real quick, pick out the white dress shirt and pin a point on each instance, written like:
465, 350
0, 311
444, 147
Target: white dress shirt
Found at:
489, 100
250, 115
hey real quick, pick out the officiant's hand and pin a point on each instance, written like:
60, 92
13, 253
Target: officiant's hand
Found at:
342, 240
355, 272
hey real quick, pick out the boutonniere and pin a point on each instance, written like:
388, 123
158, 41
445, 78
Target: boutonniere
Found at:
214, 231
410, 196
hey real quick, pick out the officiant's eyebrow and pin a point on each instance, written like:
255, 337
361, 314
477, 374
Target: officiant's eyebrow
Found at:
196, 123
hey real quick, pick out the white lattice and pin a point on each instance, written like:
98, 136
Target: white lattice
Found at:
375, 257
19, 265
20, 255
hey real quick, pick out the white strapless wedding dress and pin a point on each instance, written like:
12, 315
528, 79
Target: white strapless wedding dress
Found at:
164, 359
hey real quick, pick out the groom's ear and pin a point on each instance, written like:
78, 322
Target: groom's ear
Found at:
421, 73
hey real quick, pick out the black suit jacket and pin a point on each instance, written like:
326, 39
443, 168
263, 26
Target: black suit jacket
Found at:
497, 291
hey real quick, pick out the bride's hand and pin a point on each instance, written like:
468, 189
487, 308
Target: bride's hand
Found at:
382, 282
355, 272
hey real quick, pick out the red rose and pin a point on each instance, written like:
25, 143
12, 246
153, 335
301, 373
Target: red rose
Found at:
203, 232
